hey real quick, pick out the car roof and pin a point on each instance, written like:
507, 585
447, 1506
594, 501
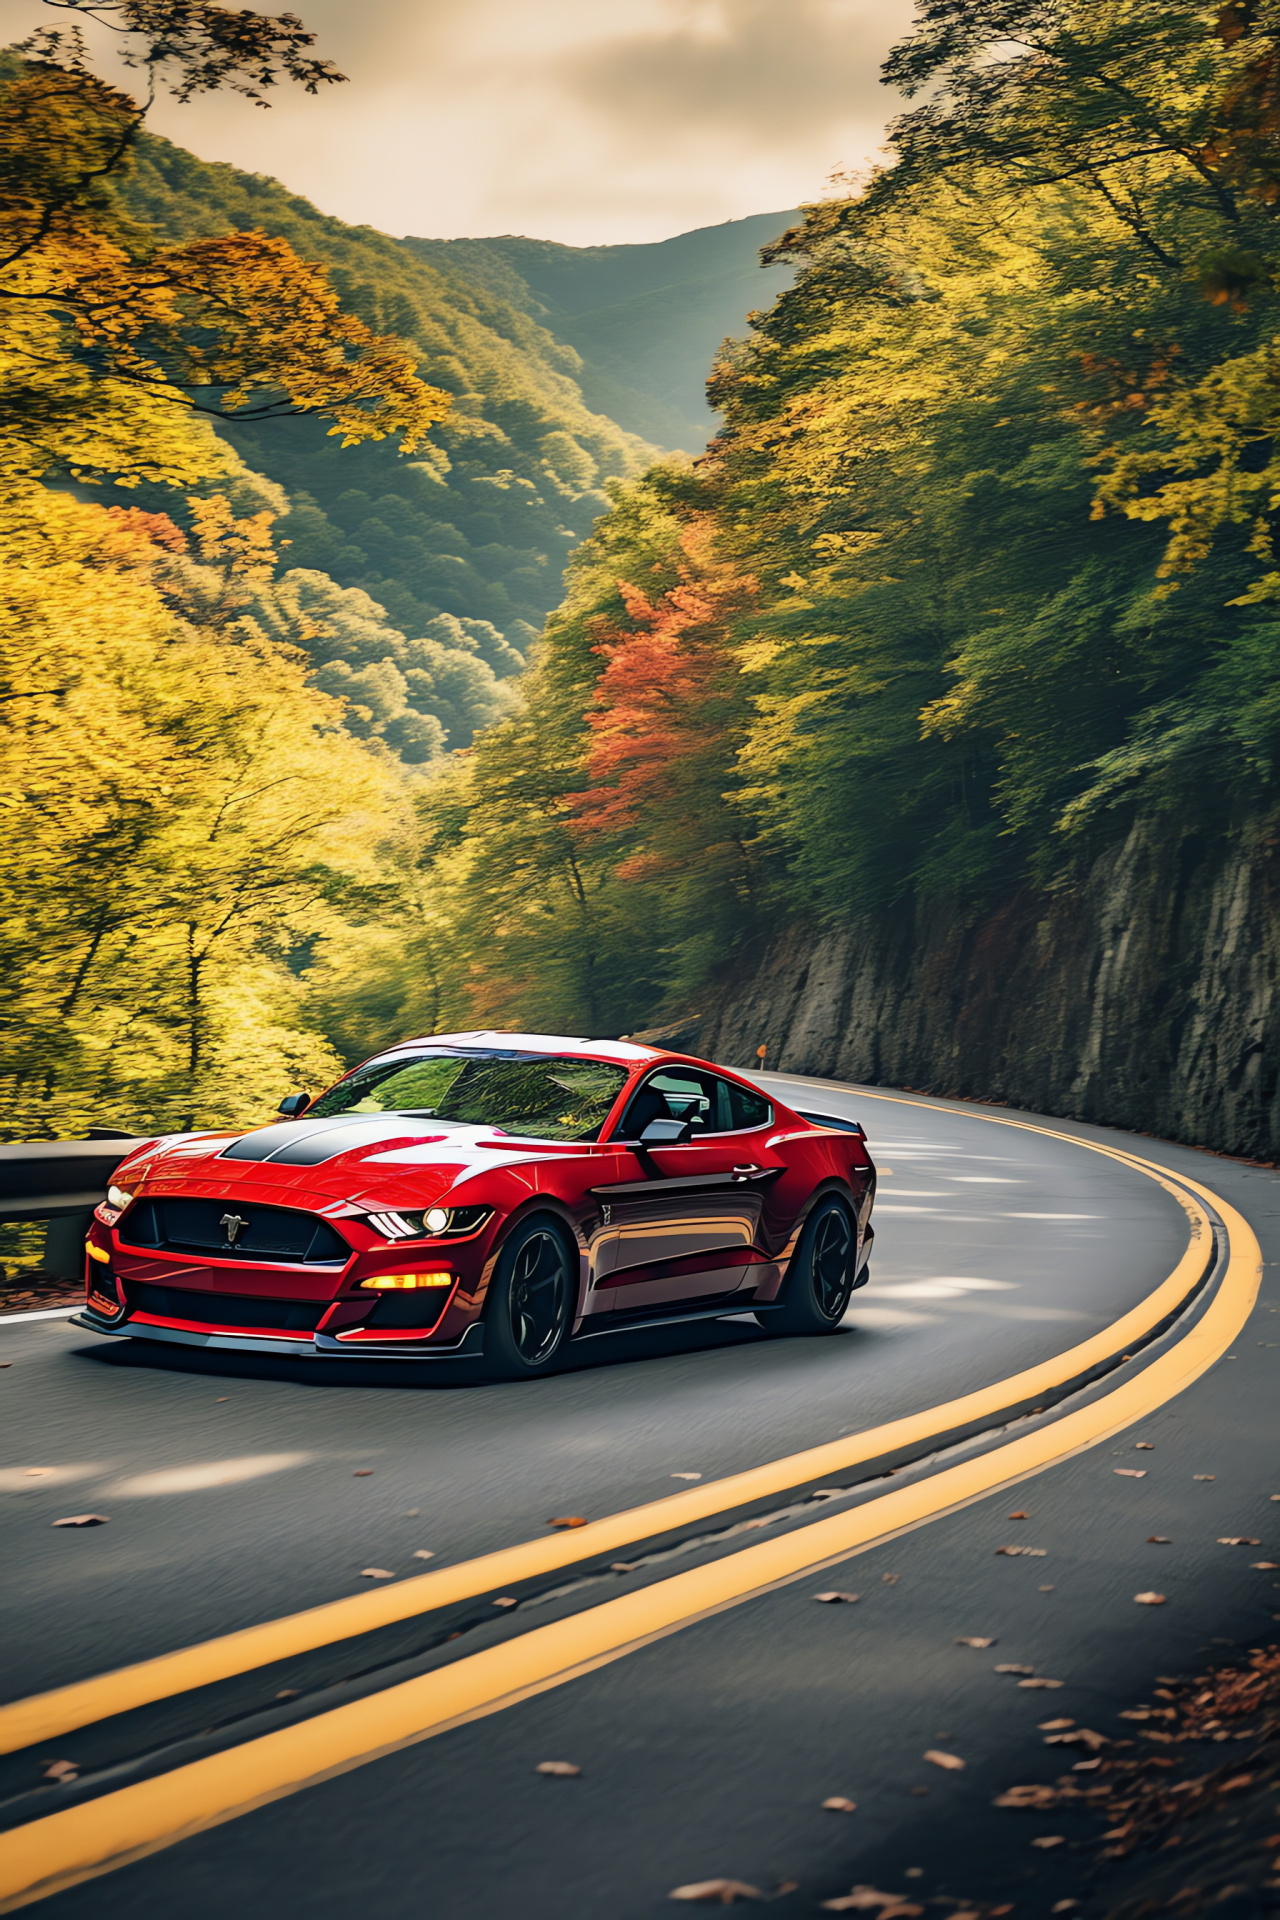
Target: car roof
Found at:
622, 1053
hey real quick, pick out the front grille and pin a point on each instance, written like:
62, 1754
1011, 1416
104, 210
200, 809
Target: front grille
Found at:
201, 1226
225, 1309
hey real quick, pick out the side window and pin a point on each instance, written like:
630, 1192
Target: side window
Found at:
708, 1103
747, 1109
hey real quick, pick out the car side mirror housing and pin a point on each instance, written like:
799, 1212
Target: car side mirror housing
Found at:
666, 1133
294, 1105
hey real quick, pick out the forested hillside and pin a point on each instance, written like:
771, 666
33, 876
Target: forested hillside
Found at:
981, 572
461, 547
646, 321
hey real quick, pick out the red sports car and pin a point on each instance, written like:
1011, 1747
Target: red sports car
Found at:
487, 1194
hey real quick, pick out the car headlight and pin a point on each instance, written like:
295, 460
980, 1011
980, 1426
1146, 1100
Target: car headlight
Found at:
402, 1224
117, 1197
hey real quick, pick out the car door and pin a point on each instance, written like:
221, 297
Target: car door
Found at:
684, 1225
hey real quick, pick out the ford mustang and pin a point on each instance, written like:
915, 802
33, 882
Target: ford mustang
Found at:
492, 1196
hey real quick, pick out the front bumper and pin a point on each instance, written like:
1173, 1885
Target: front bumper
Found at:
319, 1346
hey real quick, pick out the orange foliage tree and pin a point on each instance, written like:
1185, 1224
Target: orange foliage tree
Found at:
666, 722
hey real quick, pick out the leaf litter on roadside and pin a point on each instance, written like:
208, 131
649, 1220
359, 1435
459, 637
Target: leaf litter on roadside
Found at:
975, 1640
838, 1804
562, 1769
951, 1762
1161, 1802
832, 1596
83, 1520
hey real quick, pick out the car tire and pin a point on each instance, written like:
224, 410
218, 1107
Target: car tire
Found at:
820, 1278
531, 1302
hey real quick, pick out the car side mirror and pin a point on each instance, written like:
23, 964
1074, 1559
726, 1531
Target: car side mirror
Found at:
666, 1133
294, 1105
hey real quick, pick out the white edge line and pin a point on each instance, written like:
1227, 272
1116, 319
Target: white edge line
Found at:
39, 1313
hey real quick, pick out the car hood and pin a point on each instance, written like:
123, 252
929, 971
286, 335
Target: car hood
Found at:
338, 1159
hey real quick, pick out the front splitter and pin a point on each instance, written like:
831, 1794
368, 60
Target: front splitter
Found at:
321, 1346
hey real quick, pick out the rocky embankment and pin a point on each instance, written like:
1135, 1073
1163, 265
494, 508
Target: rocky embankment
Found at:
1145, 998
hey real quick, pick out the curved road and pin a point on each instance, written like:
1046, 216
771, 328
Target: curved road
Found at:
239, 1491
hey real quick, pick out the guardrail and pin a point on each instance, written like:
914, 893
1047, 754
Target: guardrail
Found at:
60, 1181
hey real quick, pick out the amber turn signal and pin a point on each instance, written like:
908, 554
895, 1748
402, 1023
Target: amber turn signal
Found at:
95, 1253
385, 1281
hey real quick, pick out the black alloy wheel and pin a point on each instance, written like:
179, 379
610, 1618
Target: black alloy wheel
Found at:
531, 1300
820, 1279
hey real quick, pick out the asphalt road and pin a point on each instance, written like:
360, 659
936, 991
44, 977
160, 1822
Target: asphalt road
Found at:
238, 1491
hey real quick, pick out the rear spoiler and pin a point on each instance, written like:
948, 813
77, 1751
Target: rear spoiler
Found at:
834, 1120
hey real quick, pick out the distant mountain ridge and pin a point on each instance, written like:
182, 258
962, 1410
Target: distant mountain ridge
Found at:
646, 320
424, 580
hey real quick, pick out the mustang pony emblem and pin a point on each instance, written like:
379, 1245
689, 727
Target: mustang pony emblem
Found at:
234, 1225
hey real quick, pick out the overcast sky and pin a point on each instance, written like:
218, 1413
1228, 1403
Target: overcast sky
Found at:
585, 121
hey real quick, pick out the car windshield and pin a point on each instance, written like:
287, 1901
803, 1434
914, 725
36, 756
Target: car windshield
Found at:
540, 1097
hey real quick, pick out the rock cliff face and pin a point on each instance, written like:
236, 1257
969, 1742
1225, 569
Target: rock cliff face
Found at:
1146, 998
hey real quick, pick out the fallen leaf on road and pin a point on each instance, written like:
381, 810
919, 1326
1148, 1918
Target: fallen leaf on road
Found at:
722, 1893
1055, 1726
864, 1899
62, 1769
1264, 1566
1009, 1667
1059, 1906
568, 1520
904, 1910
1052, 1684
411, 1513
1085, 1766
1204, 1476
1082, 1737
951, 1761
1131, 1473
362, 1473
974, 1641
1019, 1515
1044, 1589
288, 1693
784, 1886
889, 1579
1149, 1599
686, 1476
623, 1566
1143, 1446
1030, 1553
1159, 1540
1050, 1840
376, 1573
83, 1520
1240, 1780
423, 1553
829, 1598
1026, 1797
1238, 1540
507, 1600
838, 1804
563, 1769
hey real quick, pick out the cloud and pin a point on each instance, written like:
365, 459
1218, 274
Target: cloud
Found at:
572, 120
